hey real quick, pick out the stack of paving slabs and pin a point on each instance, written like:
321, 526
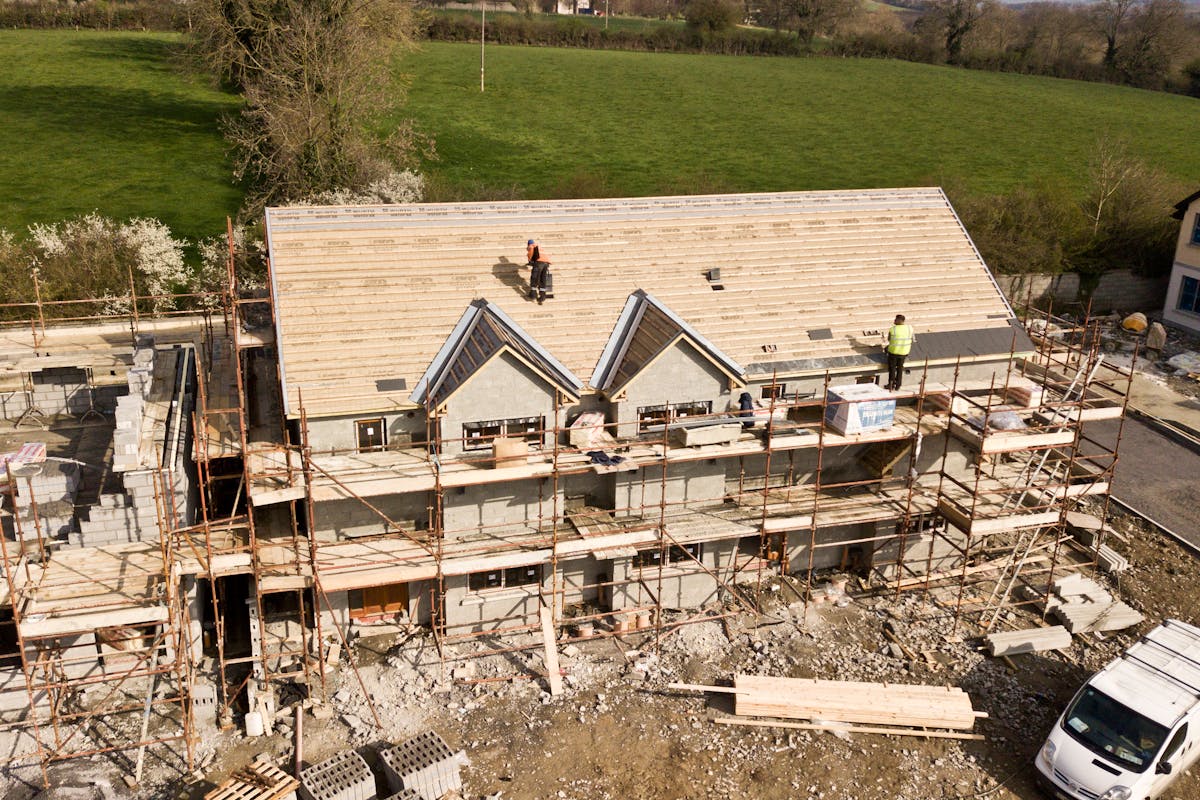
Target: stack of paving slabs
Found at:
1084, 606
902, 705
1030, 640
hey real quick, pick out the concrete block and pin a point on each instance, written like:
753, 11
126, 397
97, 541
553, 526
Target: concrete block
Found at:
424, 765
345, 776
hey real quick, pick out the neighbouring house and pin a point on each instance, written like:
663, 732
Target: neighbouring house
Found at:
1183, 292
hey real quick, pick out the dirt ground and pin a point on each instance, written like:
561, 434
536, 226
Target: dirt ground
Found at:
619, 732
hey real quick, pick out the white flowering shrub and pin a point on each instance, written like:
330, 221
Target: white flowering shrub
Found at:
158, 258
96, 257
396, 187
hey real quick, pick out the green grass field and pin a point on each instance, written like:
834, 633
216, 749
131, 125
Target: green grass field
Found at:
567, 121
104, 121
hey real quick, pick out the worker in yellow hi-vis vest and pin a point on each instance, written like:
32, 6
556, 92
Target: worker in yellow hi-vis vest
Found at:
900, 340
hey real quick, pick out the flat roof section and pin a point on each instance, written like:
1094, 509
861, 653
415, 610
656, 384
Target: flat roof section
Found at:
365, 296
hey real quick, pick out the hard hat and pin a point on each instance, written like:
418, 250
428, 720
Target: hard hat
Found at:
530, 241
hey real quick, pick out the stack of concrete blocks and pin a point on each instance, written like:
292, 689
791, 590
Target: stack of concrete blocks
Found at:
54, 489
128, 517
127, 437
424, 765
133, 515
345, 776
204, 705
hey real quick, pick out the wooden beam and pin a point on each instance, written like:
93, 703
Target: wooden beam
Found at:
552, 669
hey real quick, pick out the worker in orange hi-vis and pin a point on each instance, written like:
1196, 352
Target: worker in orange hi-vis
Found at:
899, 340
539, 271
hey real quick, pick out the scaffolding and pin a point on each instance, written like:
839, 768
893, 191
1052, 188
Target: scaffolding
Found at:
977, 529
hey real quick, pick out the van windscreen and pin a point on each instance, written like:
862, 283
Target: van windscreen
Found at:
1112, 730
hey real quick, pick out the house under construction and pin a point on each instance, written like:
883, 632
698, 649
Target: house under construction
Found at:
199, 507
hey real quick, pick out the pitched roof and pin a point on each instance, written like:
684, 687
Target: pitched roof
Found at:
483, 332
365, 296
646, 328
1182, 206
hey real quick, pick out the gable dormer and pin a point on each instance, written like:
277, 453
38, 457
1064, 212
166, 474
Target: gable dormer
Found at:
492, 380
656, 368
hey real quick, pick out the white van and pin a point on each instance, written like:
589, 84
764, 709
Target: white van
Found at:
1134, 726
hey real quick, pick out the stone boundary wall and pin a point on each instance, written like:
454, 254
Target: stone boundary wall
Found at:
1118, 290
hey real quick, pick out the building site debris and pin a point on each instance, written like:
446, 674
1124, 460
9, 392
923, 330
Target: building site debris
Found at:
1084, 606
1030, 640
1156, 337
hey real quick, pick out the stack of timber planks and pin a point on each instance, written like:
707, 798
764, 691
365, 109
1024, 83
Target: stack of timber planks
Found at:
913, 706
1032, 640
1083, 606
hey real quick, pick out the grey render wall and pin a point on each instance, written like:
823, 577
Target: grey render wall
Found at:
680, 375
522, 502
579, 579
698, 483
504, 388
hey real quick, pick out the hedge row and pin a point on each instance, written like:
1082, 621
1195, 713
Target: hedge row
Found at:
163, 15
573, 32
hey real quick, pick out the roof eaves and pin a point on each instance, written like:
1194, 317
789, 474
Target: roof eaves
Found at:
1182, 206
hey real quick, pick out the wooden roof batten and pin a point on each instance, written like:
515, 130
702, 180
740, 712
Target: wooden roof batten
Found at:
644, 331
365, 296
482, 334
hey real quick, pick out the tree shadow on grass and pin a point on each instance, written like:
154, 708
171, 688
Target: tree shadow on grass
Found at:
110, 113
147, 53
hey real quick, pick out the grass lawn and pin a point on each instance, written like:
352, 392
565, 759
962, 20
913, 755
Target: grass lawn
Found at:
559, 122
102, 121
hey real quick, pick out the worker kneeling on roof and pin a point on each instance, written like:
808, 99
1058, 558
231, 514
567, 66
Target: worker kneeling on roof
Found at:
539, 271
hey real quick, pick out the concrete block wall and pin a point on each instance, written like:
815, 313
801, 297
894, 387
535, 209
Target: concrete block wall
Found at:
522, 502
1118, 289
341, 519
693, 483
345, 776
57, 481
491, 609
424, 765
58, 390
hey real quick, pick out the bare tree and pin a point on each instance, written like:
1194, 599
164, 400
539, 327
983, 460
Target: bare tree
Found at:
819, 17
315, 75
953, 21
1111, 19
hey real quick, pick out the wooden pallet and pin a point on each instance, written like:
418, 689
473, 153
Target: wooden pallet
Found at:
261, 780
